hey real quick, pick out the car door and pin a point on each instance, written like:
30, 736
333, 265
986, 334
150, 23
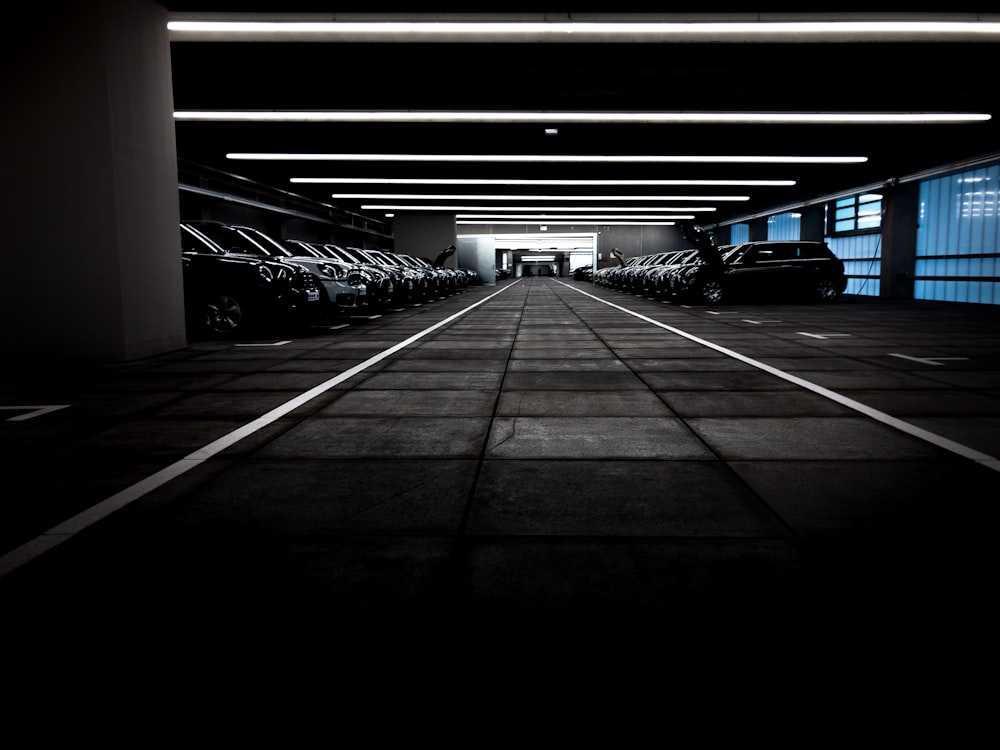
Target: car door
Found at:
765, 271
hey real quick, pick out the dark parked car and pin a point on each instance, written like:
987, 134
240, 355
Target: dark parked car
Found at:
409, 284
226, 295
339, 291
768, 270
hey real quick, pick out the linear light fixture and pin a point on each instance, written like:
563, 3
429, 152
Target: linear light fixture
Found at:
554, 158
508, 197
601, 222
412, 116
182, 27
461, 181
584, 217
437, 207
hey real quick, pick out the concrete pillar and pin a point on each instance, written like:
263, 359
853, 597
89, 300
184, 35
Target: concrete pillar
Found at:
91, 257
812, 227
758, 229
900, 204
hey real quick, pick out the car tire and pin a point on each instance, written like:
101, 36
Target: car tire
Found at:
223, 315
827, 290
711, 292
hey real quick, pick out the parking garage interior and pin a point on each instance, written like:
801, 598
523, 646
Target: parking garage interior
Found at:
533, 449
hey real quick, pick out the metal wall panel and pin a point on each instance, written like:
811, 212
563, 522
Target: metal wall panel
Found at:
862, 256
958, 238
784, 226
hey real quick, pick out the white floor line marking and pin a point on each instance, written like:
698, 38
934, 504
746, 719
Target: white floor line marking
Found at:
822, 335
276, 343
926, 360
36, 411
65, 530
990, 462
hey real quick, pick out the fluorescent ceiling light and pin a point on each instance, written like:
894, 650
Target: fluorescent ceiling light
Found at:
466, 196
539, 258
577, 223
183, 28
585, 217
462, 181
553, 158
429, 207
780, 118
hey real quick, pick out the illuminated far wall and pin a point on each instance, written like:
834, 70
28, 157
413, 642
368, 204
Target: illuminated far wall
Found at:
92, 266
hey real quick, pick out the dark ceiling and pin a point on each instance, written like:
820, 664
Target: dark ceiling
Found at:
936, 76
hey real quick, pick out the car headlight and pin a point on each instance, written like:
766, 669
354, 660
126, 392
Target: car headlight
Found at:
265, 272
328, 270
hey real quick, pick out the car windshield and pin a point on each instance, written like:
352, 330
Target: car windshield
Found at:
195, 241
384, 259
302, 249
242, 240
334, 251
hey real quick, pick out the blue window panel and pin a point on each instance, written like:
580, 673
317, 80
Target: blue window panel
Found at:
862, 257
863, 287
784, 226
959, 216
975, 291
739, 233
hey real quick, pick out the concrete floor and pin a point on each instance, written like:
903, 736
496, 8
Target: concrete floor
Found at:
540, 449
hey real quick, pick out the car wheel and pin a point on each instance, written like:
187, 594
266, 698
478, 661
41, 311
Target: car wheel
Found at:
711, 292
826, 290
223, 315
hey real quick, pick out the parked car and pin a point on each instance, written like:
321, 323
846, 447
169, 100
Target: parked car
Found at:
377, 283
767, 270
441, 282
410, 285
658, 279
610, 276
227, 295
340, 292
633, 279
423, 282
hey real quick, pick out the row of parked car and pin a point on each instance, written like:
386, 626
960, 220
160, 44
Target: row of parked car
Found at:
706, 273
238, 278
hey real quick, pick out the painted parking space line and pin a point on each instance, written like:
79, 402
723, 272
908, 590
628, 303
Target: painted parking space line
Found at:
824, 335
928, 360
32, 411
68, 528
990, 462
273, 343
